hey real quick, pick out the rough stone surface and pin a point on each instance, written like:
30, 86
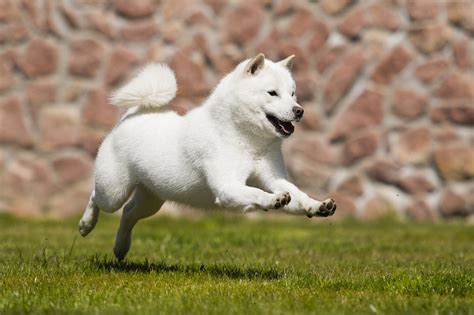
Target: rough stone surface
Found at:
383, 16
40, 58
342, 78
460, 14
353, 23
387, 87
365, 111
189, 75
334, 6
391, 65
419, 211
345, 205
463, 55
7, 79
40, 93
458, 112
90, 139
306, 86
432, 69
456, 85
416, 184
97, 110
384, 171
429, 38
86, 57
446, 134
71, 167
359, 147
329, 56
455, 162
120, 64
408, 103
102, 23
320, 37
136, 8
28, 182
378, 207
313, 148
414, 145
423, 9
243, 22
454, 205
13, 126
60, 205
139, 31
351, 186
58, 127
302, 22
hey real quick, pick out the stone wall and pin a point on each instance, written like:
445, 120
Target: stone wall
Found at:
387, 87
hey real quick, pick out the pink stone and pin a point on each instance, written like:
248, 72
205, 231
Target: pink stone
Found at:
415, 145
59, 127
243, 22
120, 63
365, 111
432, 69
13, 123
135, 8
342, 78
98, 111
40, 58
190, 76
390, 66
71, 167
358, 147
85, 57
408, 103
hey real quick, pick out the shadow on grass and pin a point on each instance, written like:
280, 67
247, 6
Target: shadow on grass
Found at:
215, 270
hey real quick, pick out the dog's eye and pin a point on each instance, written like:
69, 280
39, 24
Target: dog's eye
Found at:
293, 93
273, 93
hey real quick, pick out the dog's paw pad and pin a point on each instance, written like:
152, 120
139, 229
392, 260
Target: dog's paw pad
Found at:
281, 200
327, 208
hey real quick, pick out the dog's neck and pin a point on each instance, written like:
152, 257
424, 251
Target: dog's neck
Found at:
238, 133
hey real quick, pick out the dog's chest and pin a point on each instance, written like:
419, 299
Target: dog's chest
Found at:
248, 166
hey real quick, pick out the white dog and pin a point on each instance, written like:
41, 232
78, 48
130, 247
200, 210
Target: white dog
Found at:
225, 153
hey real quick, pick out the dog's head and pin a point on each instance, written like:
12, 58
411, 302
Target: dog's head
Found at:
265, 94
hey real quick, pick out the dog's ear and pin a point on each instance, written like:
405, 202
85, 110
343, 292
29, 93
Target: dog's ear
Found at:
288, 62
255, 64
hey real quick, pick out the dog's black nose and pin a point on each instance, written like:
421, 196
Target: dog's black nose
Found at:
298, 111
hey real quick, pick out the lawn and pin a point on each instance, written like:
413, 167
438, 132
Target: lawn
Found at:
232, 265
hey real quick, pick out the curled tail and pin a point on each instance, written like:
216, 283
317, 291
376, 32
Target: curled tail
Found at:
153, 87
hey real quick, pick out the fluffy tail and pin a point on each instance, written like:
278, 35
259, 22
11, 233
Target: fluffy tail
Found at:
153, 87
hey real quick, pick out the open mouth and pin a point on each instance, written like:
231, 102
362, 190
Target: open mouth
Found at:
285, 128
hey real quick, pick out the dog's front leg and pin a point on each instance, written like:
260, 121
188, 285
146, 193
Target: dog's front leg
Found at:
301, 203
238, 195
271, 174
229, 187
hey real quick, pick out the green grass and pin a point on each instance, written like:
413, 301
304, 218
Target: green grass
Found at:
230, 265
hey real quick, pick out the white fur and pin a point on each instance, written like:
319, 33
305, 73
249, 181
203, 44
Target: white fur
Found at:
225, 153
153, 87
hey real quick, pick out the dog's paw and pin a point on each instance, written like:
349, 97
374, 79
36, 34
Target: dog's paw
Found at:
85, 227
280, 200
325, 209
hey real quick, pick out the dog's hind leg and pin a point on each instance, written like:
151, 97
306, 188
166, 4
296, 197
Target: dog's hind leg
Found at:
90, 217
142, 205
113, 186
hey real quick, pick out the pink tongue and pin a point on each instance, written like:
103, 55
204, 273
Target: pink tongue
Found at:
289, 126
